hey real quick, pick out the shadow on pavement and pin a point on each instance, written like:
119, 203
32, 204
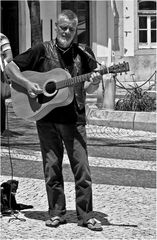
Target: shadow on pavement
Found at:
71, 217
8, 133
143, 144
100, 175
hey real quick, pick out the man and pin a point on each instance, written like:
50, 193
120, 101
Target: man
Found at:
64, 124
6, 57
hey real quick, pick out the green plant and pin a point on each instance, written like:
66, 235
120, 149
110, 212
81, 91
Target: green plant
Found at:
136, 100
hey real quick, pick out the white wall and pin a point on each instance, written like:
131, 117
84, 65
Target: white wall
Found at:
99, 24
128, 13
48, 11
102, 29
24, 26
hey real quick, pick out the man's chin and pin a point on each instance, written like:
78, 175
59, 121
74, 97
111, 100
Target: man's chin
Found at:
64, 44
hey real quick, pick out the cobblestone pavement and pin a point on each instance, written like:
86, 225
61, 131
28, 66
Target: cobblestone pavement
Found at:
124, 194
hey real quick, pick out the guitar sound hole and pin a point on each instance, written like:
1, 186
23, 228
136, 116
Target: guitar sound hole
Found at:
50, 87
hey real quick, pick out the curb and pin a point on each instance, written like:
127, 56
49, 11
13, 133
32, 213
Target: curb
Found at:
145, 121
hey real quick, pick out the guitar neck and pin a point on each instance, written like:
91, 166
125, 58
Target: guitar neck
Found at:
119, 68
82, 78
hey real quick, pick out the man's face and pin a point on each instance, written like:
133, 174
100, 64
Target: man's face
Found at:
66, 30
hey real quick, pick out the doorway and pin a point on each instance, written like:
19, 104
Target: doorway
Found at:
81, 8
9, 24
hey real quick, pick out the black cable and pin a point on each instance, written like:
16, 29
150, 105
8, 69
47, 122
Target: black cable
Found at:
8, 140
12, 171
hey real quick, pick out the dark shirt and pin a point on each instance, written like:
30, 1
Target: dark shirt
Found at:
37, 59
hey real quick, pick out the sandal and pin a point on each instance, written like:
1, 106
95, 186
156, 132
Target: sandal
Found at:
94, 225
55, 221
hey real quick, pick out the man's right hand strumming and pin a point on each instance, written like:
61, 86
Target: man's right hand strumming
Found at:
16, 75
33, 89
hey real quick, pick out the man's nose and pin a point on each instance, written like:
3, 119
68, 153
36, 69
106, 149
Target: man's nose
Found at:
67, 30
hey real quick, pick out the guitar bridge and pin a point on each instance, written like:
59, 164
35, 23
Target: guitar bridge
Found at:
41, 98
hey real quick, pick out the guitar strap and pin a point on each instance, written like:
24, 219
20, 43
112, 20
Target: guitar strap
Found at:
100, 90
83, 50
72, 69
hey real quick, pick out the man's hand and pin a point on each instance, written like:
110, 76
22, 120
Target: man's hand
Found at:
33, 89
14, 73
93, 83
95, 78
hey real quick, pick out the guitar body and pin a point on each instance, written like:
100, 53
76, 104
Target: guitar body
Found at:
34, 109
57, 86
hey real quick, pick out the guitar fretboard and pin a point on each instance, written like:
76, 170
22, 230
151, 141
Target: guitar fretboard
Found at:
121, 67
82, 78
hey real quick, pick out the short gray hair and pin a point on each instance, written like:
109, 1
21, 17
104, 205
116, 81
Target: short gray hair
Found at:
69, 14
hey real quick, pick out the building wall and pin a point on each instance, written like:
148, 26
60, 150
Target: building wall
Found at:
48, 11
24, 27
142, 61
113, 33
121, 28
99, 24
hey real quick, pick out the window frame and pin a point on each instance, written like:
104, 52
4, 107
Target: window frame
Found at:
148, 14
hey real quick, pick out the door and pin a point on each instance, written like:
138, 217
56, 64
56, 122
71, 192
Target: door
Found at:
81, 8
9, 23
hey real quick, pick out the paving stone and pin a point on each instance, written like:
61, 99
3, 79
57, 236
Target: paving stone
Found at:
126, 208
124, 211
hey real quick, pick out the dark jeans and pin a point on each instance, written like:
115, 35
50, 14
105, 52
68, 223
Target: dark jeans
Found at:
52, 136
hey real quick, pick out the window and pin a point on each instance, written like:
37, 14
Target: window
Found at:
81, 8
147, 24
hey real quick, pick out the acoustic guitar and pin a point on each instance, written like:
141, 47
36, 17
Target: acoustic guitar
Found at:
57, 86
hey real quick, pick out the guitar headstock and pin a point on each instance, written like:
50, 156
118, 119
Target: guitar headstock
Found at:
119, 68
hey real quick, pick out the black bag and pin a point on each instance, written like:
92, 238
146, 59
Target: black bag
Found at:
5, 86
8, 200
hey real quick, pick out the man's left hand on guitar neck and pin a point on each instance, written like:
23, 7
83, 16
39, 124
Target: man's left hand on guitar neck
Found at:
94, 81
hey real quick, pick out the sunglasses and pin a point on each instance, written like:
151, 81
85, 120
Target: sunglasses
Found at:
65, 28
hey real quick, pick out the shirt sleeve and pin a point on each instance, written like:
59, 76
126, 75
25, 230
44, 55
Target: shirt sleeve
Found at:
30, 59
4, 43
5, 51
